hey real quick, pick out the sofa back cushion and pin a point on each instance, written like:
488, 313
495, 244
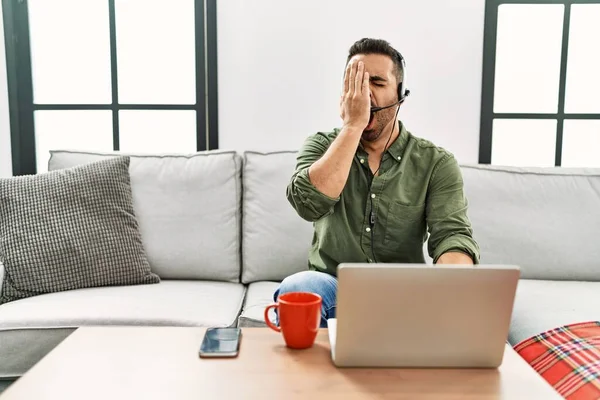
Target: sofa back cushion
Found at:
546, 220
188, 210
275, 240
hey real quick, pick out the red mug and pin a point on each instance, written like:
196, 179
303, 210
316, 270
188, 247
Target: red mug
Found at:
299, 318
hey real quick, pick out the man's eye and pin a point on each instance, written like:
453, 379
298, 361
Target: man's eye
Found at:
379, 84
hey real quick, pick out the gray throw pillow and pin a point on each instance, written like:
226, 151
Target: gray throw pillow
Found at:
69, 229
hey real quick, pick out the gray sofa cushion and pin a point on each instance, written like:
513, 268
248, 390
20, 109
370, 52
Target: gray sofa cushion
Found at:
546, 220
258, 297
32, 326
543, 305
70, 229
188, 209
275, 240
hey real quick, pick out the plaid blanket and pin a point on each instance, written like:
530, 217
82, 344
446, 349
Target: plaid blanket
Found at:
568, 358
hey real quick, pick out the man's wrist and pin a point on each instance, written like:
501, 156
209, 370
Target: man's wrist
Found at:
455, 257
352, 129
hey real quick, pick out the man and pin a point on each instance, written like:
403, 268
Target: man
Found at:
372, 188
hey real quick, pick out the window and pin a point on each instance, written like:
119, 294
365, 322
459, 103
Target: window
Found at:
101, 75
539, 97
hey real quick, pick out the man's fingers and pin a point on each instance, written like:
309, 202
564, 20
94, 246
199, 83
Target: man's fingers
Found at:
346, 79
365, 83
360, 73
352, 78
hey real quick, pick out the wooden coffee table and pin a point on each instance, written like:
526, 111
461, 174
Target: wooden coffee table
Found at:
163, 363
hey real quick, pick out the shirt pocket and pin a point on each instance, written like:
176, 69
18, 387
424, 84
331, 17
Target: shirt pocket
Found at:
405, 224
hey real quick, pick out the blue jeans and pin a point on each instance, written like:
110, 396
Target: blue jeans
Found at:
320, 283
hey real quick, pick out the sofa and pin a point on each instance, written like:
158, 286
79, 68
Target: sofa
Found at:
218, 230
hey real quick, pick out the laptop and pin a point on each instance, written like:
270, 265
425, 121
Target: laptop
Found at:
421, 316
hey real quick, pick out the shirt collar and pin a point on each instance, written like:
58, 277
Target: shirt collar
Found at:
397, 148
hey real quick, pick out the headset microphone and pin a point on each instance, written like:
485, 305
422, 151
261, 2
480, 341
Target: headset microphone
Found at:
401, 96
375, 109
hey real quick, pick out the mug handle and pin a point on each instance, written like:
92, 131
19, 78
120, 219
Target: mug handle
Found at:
269, 323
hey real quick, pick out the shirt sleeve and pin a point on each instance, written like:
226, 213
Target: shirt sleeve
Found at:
307, 200
449, 225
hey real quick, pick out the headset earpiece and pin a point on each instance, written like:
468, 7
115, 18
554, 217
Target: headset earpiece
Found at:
402, 90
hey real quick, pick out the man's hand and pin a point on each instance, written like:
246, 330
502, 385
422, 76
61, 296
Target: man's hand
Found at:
455, 257
329, 172
355, 102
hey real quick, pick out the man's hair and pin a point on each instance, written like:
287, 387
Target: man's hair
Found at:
377, 46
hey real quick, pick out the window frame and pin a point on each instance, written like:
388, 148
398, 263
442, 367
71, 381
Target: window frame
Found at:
20, 85
489, 72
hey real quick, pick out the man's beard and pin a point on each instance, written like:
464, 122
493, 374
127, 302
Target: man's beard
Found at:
382, 118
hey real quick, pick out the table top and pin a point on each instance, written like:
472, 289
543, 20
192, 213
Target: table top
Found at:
163, 363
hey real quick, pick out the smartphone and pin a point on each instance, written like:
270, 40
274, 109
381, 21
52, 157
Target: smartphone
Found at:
221, 342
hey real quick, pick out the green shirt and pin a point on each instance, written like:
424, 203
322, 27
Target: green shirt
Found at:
418, 192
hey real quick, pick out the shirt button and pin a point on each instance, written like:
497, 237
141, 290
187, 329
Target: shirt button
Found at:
370, 260
372, 195
368, 229
362, 160
399, 158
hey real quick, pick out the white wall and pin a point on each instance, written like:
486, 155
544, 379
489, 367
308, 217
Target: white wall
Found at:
5, 153
281, 65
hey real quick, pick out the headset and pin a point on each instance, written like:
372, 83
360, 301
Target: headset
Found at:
403, 92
